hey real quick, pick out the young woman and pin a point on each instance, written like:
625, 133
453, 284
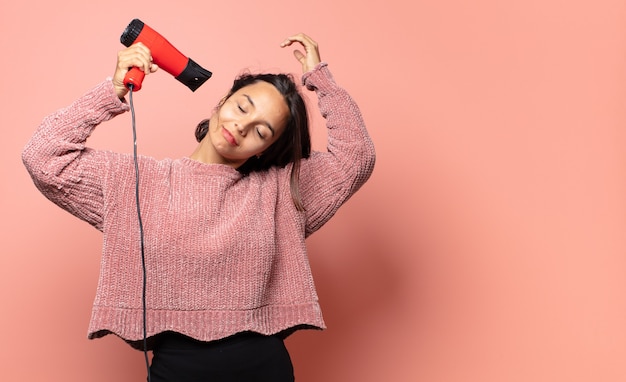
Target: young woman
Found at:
227, 274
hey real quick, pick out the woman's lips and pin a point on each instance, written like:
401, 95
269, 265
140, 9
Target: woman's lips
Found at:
229, 137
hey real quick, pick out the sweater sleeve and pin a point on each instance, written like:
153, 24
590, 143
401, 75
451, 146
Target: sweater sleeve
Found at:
62, 168
329, 179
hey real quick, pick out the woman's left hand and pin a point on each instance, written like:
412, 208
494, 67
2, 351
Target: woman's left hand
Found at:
311, 56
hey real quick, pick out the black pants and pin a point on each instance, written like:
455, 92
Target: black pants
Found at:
245, 357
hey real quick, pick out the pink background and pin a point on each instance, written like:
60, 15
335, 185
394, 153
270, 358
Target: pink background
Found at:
489, 244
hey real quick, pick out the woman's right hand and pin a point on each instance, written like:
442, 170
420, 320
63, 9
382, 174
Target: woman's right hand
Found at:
137, 55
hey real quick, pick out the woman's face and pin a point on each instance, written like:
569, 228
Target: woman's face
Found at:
247, 123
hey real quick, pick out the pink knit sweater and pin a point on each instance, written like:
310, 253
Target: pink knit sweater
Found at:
224, 253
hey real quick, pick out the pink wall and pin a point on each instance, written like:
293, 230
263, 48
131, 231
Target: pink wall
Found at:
488, 246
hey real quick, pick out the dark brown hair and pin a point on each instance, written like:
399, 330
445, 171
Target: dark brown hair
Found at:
293, 144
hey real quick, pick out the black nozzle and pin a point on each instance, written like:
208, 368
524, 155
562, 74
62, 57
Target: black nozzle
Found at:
194, 75
131, 32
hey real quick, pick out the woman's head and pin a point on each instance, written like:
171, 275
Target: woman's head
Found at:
261, 122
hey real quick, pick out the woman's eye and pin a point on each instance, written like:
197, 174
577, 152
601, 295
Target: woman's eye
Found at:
260, 133
241, 109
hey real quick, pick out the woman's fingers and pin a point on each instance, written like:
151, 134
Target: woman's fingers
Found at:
137, 55
311, 56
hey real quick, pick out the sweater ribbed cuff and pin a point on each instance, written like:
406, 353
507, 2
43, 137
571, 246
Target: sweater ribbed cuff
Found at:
319, 79
110, 100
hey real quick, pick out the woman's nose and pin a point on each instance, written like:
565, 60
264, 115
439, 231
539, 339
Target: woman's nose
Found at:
241, 128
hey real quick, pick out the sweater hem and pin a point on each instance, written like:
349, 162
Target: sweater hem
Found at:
204, 325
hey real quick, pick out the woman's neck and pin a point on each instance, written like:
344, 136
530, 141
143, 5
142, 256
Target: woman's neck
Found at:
205, 153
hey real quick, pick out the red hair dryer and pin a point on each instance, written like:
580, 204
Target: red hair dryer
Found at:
168, 58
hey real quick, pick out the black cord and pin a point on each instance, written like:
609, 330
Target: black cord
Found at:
143, 257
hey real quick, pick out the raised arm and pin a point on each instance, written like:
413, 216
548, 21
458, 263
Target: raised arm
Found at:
61, 166
329, 179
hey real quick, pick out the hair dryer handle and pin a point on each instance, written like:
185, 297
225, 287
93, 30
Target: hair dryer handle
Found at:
134, 78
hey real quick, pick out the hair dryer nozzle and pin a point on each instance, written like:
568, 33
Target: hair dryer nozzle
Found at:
194, 75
